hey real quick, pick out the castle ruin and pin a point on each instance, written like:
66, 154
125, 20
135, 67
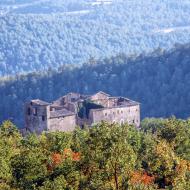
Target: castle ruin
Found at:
75, 109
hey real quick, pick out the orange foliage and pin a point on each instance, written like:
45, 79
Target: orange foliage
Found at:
139, 177
56, 159
76, 156
68, 153
182, 167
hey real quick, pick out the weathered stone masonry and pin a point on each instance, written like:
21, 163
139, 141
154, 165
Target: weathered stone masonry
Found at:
75, 109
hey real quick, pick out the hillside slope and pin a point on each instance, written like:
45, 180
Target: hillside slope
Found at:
37, 35
160, 81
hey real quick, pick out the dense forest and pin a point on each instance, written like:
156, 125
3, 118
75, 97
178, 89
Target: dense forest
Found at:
160, 81
103, 157
47, 34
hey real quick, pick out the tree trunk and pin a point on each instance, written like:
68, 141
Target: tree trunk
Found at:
116, 179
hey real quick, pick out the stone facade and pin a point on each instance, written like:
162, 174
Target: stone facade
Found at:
75, 109
62, 123
121, 115
36, 117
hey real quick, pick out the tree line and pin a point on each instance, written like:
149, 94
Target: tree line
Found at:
105, 156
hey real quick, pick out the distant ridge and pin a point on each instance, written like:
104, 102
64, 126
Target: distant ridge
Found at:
38, 35
160, 81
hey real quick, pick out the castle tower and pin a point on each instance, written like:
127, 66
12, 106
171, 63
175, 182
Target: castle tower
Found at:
36, 116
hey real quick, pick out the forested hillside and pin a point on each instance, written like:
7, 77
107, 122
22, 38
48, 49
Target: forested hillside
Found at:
37, 35
103, 157
160, 81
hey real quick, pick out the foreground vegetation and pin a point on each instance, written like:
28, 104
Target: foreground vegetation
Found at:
104, 157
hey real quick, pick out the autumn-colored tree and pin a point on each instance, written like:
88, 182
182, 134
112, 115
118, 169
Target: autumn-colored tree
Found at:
56, 158
105, 156
76, 156
108, 157
138, 177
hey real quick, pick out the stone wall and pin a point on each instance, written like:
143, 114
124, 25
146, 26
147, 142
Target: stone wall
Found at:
100, 98
130, 115
35, 118
71, 107
112, 102
71, 97
67, 100
38, 117
67, 123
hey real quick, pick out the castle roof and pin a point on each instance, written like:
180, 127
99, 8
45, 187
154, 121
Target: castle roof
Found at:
129, 103
121, 102
61, 113
99, 95
101, 92
40, 102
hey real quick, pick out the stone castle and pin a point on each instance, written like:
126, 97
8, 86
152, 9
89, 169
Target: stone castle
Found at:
75, 109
